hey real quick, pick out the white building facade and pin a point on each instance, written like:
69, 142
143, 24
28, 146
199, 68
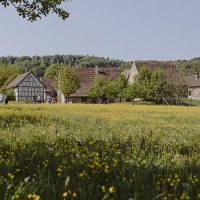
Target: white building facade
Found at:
26, 86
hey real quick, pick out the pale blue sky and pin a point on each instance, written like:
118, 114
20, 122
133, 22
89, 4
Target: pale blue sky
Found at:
121, 29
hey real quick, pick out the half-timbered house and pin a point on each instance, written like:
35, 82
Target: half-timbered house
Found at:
86, 76
26, 86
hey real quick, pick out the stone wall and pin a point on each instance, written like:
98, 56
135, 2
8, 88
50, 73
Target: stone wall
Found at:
194, 93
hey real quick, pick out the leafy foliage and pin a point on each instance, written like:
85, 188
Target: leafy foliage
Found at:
10, 94
40, 64
120, 84
99, 88
52, 71
68, 81
105, 90
7, 73
33, 10
152, 85
132, 91
189, 66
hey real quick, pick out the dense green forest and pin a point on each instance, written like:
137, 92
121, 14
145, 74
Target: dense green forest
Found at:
38, 64
189, 67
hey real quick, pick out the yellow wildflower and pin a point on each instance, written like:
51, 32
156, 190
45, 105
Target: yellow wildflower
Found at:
103, 189
112, 189
37, 197
64, 194
74, 194
81, 174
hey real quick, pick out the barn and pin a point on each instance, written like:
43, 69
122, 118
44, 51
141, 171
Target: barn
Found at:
86, 76
26, 86
171, 74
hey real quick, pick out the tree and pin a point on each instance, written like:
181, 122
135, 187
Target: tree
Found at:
110, 91
143, 80
131, 92
98, 89
52, 71
39, 64
120, 84
8, 73
159, 87
152, 85
35, 9
68, 81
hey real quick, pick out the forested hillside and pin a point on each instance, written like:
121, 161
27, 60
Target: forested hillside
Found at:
189, 66
38, 64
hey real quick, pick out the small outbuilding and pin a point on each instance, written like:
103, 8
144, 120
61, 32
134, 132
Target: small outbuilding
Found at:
26, 86
193, 86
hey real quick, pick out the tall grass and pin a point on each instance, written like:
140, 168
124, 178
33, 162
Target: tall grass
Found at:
54, 152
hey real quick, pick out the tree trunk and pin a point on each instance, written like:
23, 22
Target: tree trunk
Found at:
67, 98
133, 101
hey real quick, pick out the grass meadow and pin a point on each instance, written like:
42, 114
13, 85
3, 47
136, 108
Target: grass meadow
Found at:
99, 152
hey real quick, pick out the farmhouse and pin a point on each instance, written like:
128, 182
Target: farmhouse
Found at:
193, 83
87, 76
26, 86
171, 73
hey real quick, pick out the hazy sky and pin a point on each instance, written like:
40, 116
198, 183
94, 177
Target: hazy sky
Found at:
122, 29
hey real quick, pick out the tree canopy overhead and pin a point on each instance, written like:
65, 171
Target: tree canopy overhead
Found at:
35, 9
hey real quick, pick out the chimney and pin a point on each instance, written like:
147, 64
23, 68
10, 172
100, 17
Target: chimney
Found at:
96, 69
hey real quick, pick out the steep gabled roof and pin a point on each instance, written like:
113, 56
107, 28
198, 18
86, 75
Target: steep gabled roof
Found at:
47, 82
172, 74
87, 76
17, 80
193, 81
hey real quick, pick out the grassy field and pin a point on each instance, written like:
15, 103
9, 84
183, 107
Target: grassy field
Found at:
125, 152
